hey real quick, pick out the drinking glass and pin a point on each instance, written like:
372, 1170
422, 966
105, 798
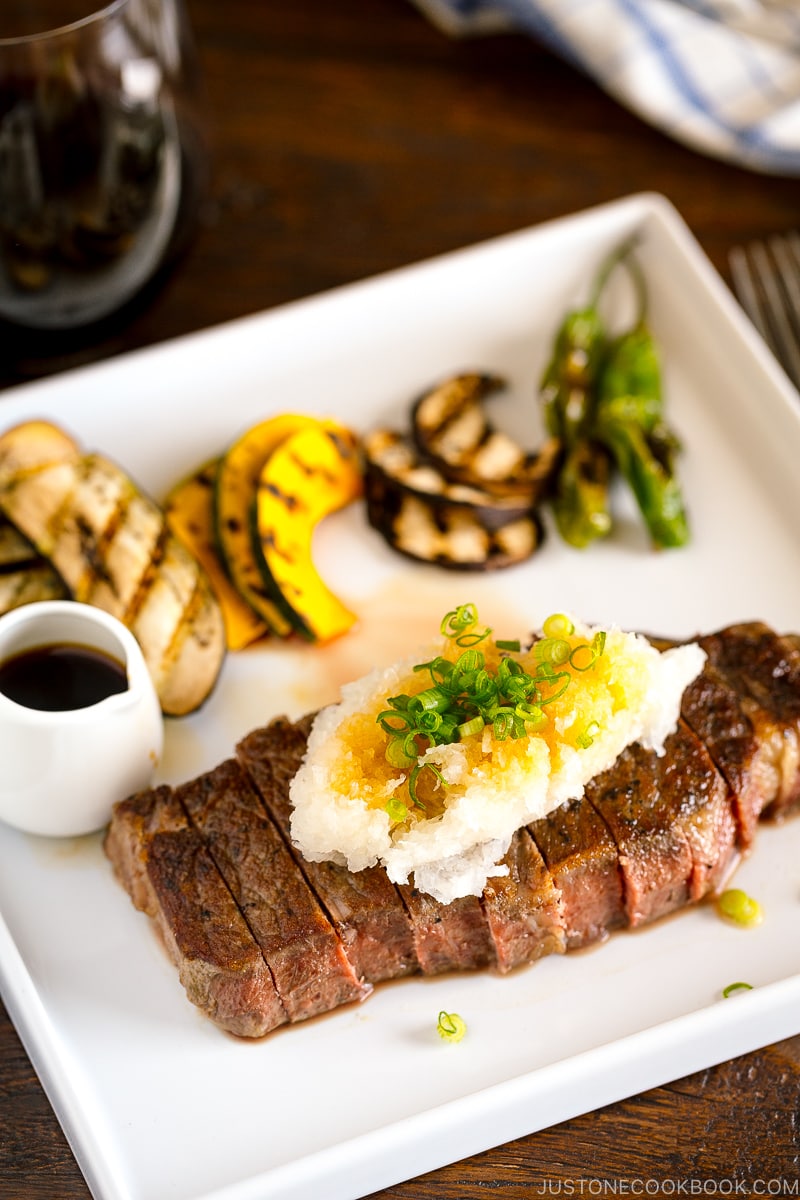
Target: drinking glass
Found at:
102, 156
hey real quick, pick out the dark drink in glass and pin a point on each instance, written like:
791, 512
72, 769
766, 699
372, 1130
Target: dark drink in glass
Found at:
100, 151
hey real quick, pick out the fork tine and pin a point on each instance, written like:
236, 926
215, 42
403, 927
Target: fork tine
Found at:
788, 305
766, 279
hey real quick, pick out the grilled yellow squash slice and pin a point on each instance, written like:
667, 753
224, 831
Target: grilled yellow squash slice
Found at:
311, 474
189, 509
234, 488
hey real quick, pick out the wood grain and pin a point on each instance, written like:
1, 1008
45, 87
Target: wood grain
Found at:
347, 139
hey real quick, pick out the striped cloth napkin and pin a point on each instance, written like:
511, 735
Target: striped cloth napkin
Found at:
722, 76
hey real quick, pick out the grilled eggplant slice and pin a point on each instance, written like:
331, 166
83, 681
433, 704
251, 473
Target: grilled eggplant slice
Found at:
234, 488
451, 430
313, 473
424, 516
189, 510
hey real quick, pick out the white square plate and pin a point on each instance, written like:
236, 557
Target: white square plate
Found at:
156, 1102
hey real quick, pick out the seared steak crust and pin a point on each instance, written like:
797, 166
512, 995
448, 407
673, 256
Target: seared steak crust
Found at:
524, 909
365, 908
713, 708
448, 937
765, 669
582, 860
654, 855
261, 937
311, 971
167, 870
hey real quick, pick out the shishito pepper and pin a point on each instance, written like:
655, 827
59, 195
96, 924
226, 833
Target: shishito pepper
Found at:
629, 421
567, 394
569, 379
602, 397
580, 504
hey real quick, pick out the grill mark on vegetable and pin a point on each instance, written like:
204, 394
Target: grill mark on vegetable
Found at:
653, 834
289, 501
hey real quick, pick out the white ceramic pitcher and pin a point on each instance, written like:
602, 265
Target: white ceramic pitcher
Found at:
61, 772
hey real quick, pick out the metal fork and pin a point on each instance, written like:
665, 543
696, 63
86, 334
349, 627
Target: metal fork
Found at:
766, 279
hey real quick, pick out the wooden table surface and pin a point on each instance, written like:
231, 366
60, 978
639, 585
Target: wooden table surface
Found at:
348, 138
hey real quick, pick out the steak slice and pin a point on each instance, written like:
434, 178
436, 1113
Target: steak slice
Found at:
713, 708
581, 856
524, 908
311, 971
654, 855
448, 937
670, 817
765, 668
365, 907
166, 869
695, 798
133, 823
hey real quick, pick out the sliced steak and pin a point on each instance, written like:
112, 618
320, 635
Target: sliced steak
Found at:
524, 908
654, 855
713, 708
133, 823
448, 937
581, 856
695, 797
365, 907
765, 668
311, 971
670, 817
261, 937
166, 869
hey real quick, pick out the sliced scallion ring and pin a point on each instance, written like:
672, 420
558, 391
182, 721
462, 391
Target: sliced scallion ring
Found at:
451, 1027
736, 987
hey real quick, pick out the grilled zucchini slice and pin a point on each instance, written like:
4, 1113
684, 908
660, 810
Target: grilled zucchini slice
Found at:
111, 546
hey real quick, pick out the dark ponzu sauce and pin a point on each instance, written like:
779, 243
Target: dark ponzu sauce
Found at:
61, 677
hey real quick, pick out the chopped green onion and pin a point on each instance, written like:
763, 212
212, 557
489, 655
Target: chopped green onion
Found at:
399, 754
585, 739
736, 987
451, 1027
737, 906
456, 623
470, 727
414, 776
582, 657
396, 809
563, 680
558, 625
510, 645
465, 696
552, 650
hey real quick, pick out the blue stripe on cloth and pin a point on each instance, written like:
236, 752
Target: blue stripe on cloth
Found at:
756, 74
750, 137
